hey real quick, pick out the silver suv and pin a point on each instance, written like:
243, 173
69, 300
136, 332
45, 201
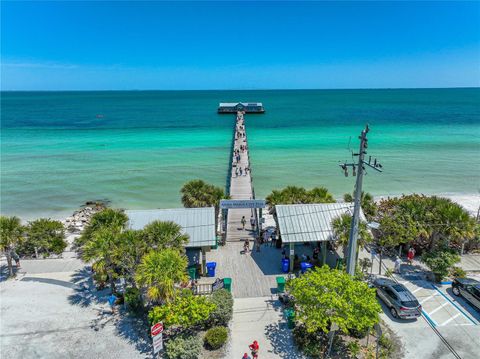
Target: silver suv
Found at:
397, 297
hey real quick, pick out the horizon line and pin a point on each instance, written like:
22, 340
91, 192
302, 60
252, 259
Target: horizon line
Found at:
252, 89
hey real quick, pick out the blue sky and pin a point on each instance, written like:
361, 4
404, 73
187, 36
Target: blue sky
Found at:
231, 45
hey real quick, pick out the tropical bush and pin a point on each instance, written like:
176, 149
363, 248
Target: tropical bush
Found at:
223, 311
457, 272
369, 206
44, 236
312, 344
426, 222
298, 195
216, 337
186, 310
11, 235
183, 347
440, 262
324, 296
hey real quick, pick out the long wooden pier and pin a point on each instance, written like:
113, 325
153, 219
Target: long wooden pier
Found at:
253, 273
240, 185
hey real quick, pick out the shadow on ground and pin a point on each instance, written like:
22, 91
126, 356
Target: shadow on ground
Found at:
135, 329
4, 274
85, 292
281, 340
463, 304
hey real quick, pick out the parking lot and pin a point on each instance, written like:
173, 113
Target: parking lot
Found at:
445, 318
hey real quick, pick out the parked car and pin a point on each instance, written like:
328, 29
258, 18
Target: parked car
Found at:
469, 289
401, 302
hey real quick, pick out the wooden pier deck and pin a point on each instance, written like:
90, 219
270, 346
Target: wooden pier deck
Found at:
253, 274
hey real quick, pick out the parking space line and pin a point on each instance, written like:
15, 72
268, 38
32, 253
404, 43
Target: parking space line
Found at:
430, 320
449, 320
456, 306
416, 290
438, 308
428, 298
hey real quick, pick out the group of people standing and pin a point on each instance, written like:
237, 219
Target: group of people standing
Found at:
240, 133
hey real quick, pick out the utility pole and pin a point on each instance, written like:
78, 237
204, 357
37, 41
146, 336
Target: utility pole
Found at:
358, 170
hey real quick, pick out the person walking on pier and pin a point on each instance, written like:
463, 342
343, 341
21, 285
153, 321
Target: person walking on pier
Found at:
244, 221
252, 222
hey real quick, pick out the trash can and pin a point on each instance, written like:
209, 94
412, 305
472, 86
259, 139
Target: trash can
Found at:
290, 315
192, 272
304, 266
280, 284
227, 284
211, 269
285, 265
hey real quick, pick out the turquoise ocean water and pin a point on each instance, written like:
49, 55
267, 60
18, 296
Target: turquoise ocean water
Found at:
137, 148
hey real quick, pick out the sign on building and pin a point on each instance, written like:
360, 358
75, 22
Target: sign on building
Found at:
242, 203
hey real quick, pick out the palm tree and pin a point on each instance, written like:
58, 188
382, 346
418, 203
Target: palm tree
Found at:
341, 228
160, 272
107, 218
104, 249
368, 204
11, 234
320, 195
131, 248
165, 234
198, 193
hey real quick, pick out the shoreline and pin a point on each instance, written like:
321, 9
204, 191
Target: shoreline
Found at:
469, 201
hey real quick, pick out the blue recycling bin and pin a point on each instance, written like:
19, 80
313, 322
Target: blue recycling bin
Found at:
304, 266
211, 269
285, 265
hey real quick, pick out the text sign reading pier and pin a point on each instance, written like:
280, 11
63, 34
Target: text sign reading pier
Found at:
242, 203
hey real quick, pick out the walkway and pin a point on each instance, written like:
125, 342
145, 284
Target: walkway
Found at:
253, 273
261, 319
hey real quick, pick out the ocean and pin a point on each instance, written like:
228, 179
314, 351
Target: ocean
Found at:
137, 148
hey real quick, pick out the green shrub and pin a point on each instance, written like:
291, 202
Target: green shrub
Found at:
183, 347
440, 262
457, 272
133, 299
216, 337
387, 345
353, 348
187, 311
224, 308
311, 344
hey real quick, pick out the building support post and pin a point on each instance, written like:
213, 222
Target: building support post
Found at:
324, 253
292, 255
204, 261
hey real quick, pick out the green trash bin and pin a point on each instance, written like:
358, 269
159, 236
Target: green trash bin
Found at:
280, 284
192, 272
227, 284
290, 315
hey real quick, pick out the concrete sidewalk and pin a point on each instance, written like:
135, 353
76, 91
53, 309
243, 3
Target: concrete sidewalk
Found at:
260, 319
